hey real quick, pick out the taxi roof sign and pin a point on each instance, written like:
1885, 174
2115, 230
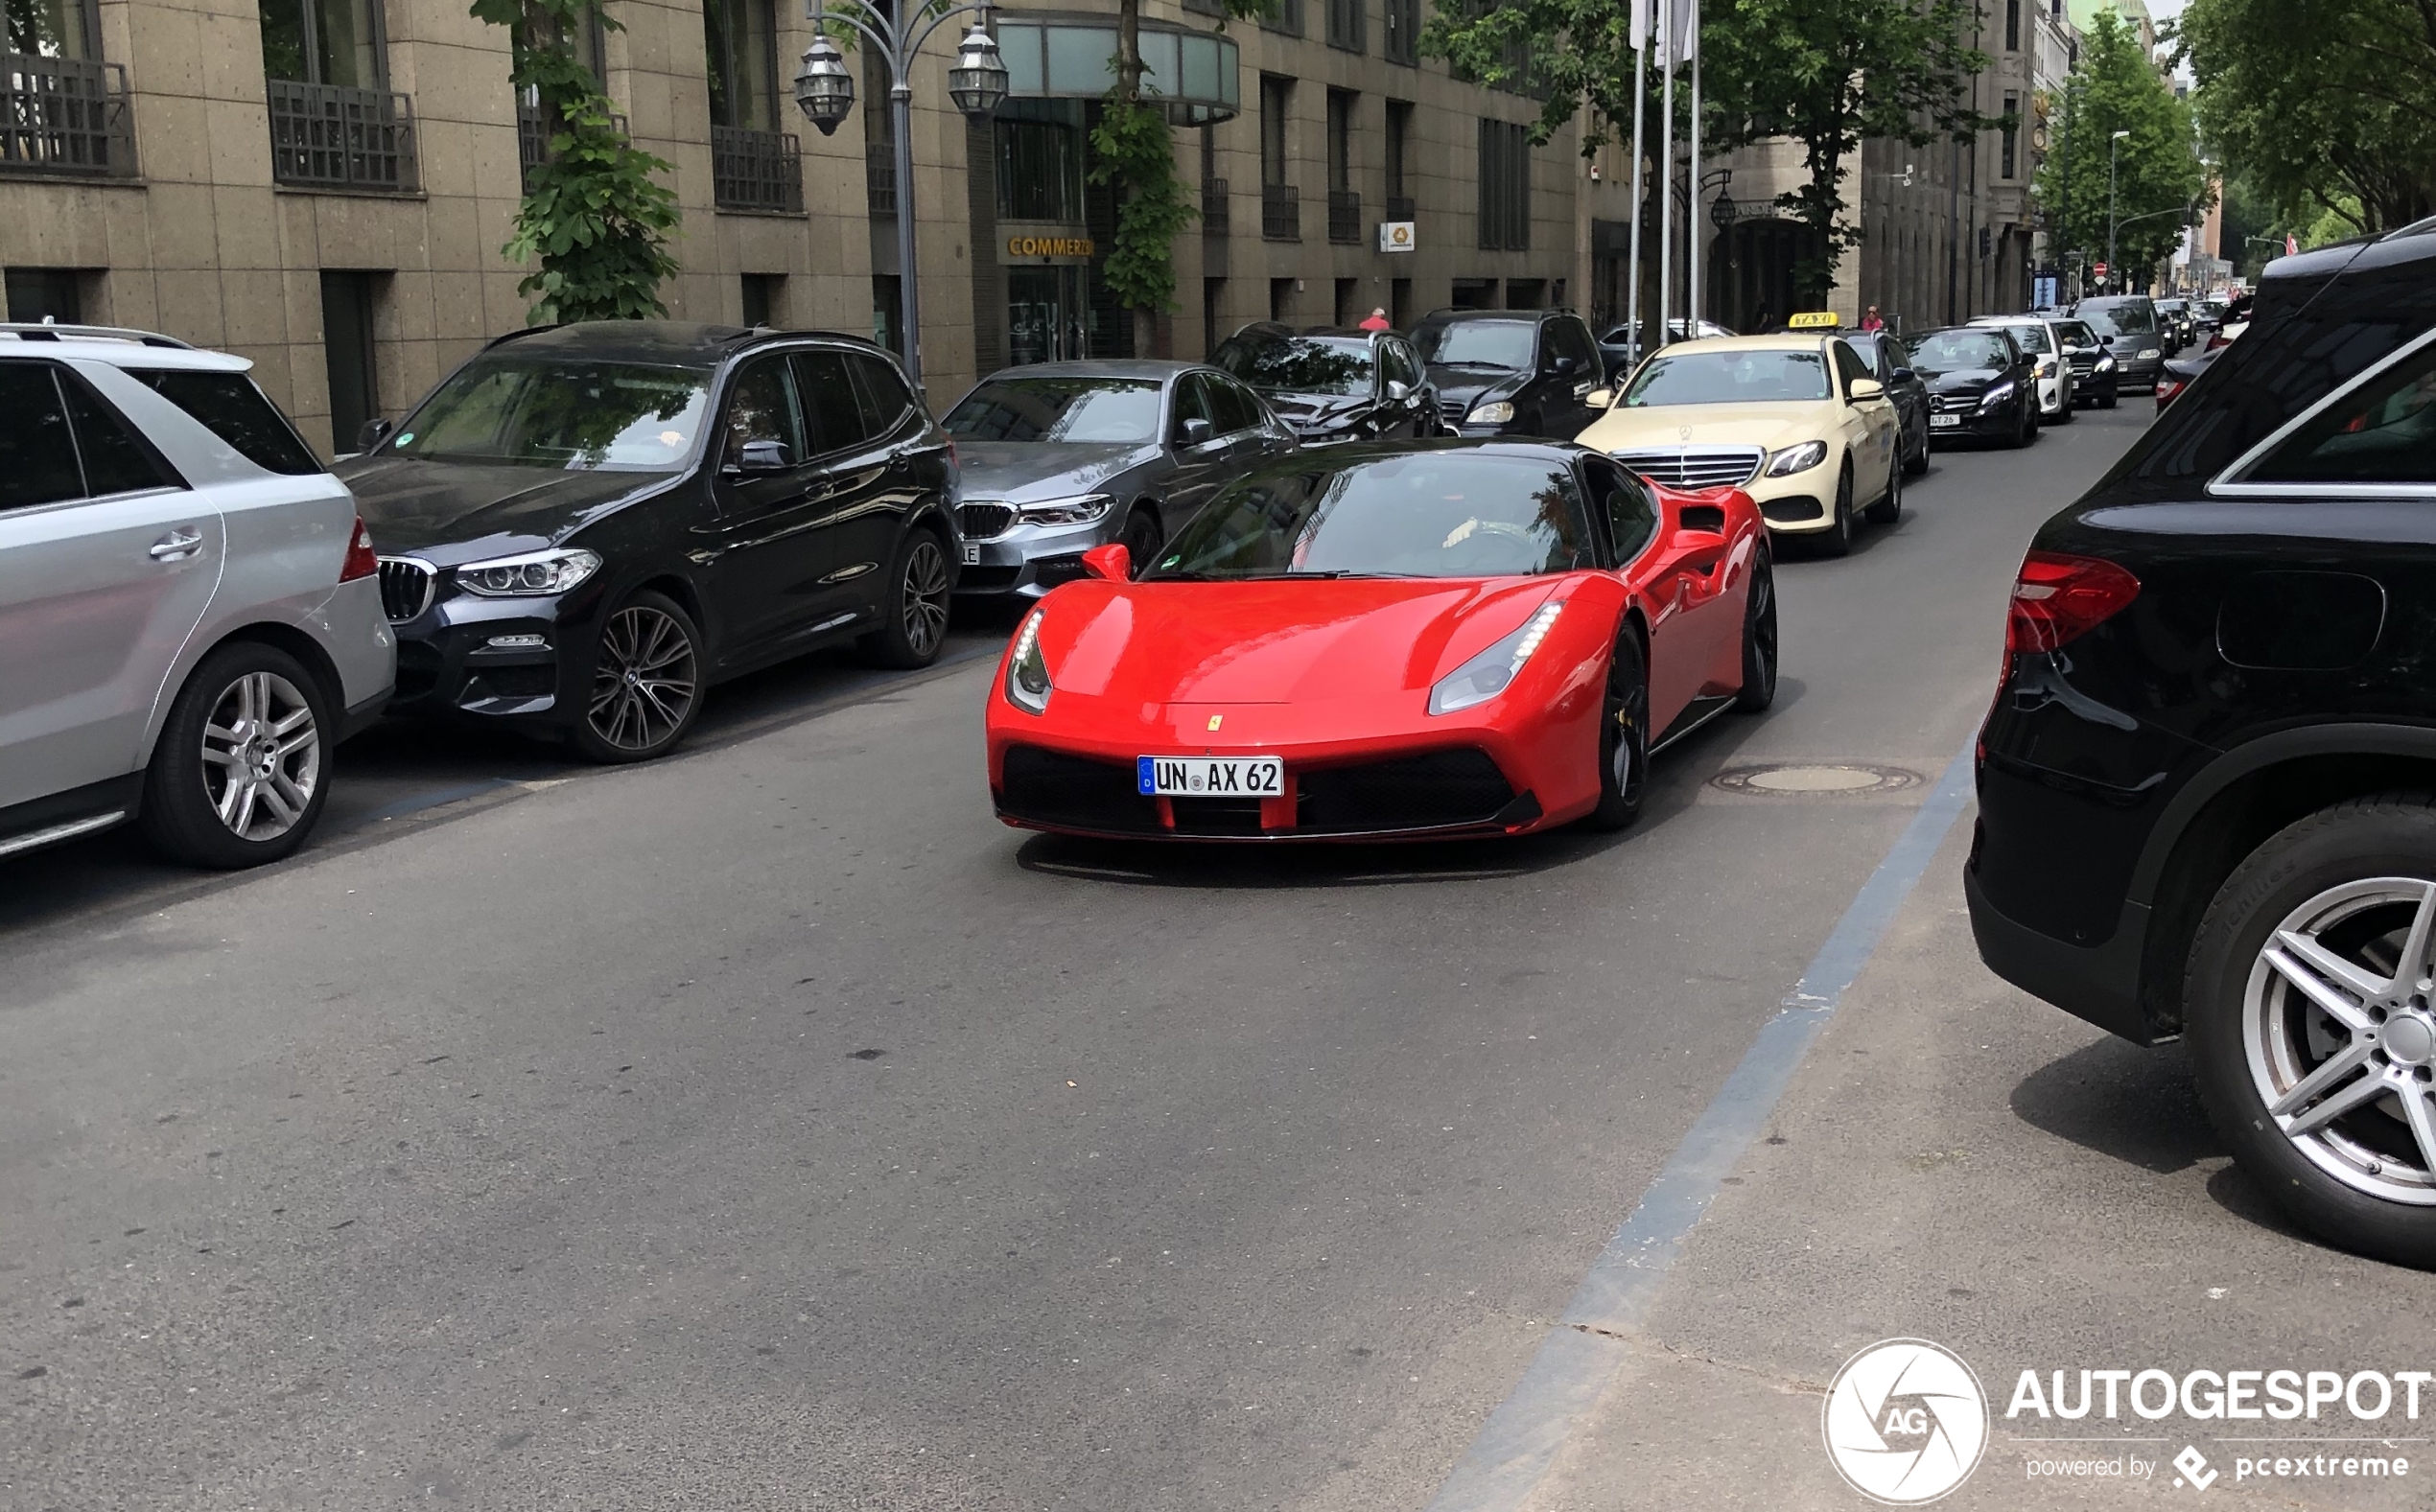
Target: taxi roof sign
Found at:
1812, 320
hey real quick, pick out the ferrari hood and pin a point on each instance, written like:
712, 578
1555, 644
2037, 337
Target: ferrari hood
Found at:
1272, 641
1022, 471
1771, 424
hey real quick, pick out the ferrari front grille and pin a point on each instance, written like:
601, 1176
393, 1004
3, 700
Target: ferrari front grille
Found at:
1695, 466
1429, 791
1072, 791
984, 521
406, 588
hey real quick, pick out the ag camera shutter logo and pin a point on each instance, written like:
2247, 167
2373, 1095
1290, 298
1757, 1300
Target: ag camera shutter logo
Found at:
1905, 1422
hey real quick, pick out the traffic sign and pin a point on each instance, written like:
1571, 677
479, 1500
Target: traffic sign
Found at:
2098, 271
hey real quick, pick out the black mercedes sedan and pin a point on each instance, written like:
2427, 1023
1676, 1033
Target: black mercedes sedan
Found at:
1982, 386
586, 525
1335, 385
1059, 457
1513, 372
2208, 783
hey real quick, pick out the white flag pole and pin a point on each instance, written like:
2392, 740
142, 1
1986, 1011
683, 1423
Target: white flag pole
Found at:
1666, 182
1640, 87
1692, 219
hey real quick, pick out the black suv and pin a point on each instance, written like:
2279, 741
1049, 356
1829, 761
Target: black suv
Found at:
586, 525
2208, 784
1334, 386
1511, 372
2128, 327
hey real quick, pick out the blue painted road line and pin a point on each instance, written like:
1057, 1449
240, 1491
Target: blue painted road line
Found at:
1582, 1353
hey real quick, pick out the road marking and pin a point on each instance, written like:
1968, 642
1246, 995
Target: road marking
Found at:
1582, 1353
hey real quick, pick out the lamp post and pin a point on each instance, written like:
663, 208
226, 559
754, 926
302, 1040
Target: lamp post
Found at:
2112, 144
825, 89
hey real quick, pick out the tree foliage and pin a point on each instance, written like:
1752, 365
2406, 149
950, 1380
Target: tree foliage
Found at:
1828, 74
2157, 170
592, 220
2319, 103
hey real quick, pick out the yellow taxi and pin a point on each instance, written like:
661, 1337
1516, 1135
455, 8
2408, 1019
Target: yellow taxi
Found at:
1794, 420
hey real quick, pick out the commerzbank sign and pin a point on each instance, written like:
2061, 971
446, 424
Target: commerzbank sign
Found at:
1026, 249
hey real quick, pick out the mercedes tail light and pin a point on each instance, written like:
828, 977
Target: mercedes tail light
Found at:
2058, 597
361, 562
2168, 388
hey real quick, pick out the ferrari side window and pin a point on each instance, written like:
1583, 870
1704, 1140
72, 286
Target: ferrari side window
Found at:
1631, 514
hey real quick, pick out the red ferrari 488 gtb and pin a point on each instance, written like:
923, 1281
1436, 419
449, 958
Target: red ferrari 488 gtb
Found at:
1376, 641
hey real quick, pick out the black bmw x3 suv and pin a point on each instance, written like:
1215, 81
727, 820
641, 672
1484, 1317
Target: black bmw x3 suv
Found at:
586, 525
2207, 782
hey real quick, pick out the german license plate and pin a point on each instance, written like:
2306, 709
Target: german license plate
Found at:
971, 555
1210, 777
1936, 423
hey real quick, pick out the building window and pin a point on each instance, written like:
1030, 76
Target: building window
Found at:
888, 311
741, 43
1344, 202
1403, 18
324, 42
1280, 205
1280, 299
53, 28
1285, 16
1505, 186
1345, 25
1041, 161
764, 299
2012, 25
1400, 149
36, 294
2012, 131
346, 345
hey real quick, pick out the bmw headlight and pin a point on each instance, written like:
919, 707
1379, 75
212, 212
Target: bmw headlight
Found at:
2147, 352
531, 575
1997, 395
1487, 675
1027, 673
2105, 364
1498, 412
1797, 458
1083, 509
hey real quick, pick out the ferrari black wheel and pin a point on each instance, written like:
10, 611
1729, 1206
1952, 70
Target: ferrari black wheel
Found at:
1836, 539
1624, 737
1759, 639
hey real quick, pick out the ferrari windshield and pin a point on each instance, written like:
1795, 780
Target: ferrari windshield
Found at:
553, 413
1421, 514
1119, 409
1299, 364
1734, 376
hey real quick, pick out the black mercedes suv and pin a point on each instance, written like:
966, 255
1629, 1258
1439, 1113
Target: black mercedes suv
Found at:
1511, 372
2208, 783
586, 525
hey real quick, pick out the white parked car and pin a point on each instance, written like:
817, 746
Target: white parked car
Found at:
188, 610
2046, 346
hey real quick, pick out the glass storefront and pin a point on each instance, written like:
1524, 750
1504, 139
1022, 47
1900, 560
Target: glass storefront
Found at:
1048, 317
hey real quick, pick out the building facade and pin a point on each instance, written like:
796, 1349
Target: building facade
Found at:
325, 185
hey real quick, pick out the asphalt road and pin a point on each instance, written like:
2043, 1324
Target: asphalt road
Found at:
769, 1128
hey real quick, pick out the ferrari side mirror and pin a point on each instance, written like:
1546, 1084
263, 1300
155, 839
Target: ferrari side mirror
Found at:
1113, 563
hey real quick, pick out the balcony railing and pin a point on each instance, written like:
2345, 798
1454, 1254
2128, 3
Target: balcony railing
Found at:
756, 170
1399, 207
879, 178
533, 139
328, 136
1216, 220
1281, 213
1345, 214
60, 115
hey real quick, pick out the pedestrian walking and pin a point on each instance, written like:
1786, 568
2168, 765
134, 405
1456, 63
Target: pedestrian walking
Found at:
1378, 321
1873, 321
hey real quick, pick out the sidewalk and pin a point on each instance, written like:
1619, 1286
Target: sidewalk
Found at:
1960, 1163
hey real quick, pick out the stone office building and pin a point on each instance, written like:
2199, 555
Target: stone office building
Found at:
325, 185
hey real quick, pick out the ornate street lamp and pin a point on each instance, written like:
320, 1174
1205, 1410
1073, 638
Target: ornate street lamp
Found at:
1722, 211
824, 90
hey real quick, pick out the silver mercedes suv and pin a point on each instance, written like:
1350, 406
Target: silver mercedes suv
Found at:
189, 616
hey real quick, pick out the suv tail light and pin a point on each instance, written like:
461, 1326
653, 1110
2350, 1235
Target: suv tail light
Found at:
2170, 387
2057, 597
361, 561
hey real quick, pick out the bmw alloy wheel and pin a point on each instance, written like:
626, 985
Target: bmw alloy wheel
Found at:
2340, 1037
261, 755
644, 681
925, 596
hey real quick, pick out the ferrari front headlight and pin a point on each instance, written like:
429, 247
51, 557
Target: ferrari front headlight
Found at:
1495, 413
1797, 458
1028, 686
534, 574
1488, 674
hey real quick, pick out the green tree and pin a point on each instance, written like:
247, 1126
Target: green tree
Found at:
1827, 74
2320, 104
2156, 170
594, 221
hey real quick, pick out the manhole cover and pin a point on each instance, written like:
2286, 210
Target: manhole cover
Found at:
1809, 780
